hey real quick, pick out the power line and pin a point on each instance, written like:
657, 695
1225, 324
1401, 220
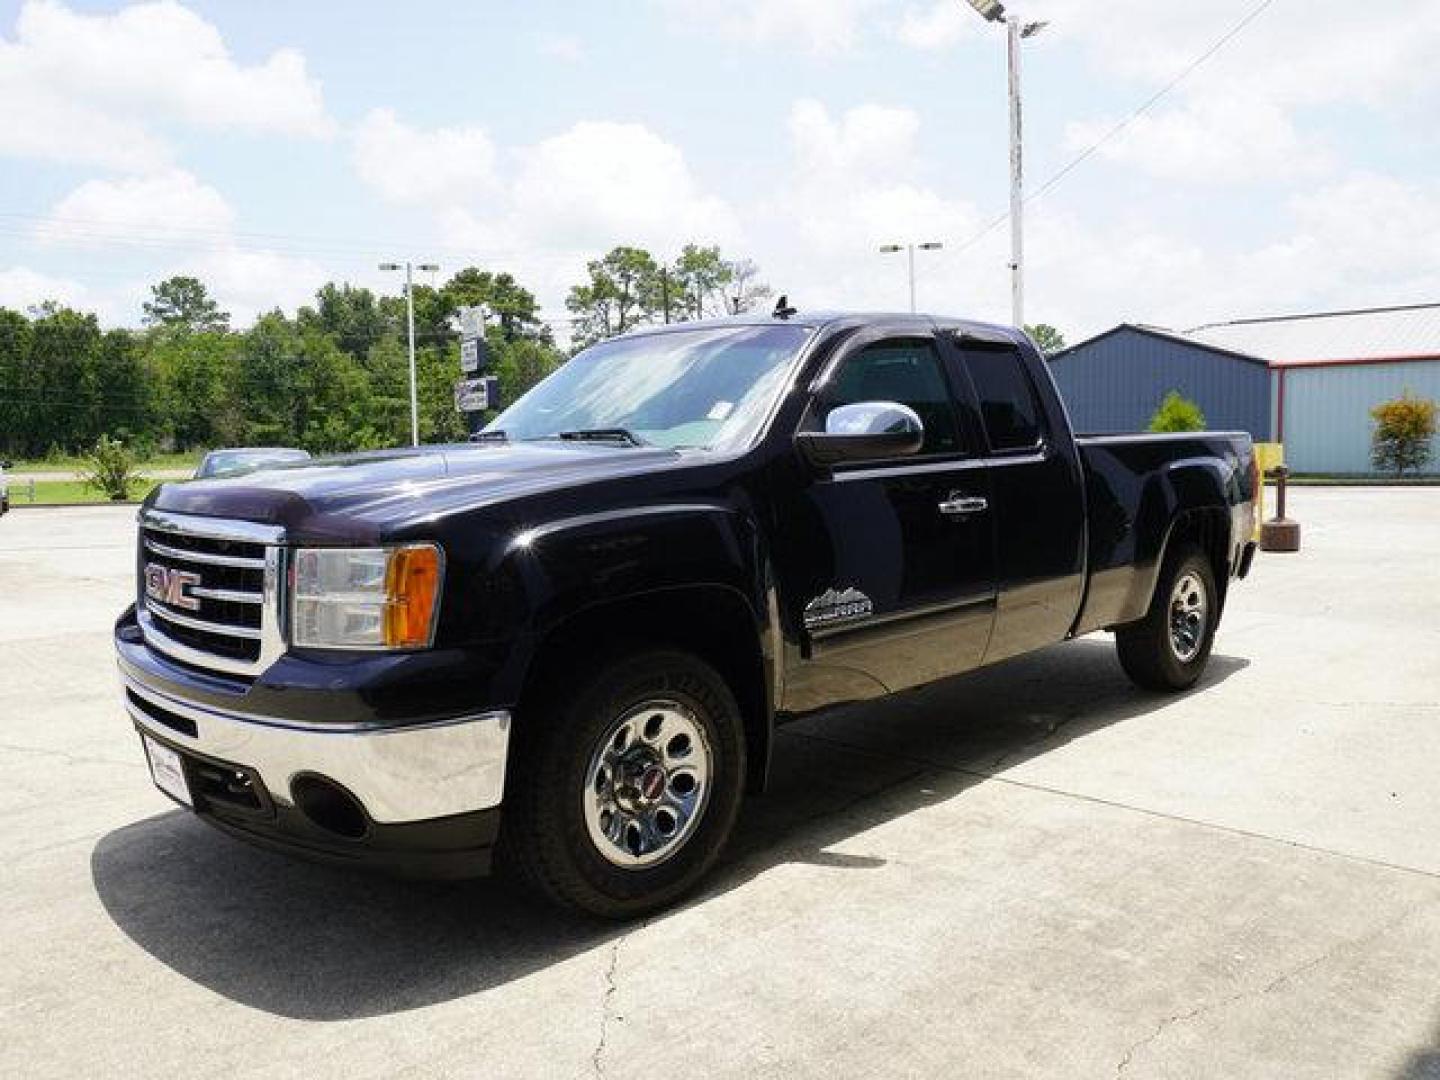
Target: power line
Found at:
1149, 103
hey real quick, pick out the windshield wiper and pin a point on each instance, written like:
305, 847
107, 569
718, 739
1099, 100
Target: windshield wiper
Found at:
489, 436
603, 434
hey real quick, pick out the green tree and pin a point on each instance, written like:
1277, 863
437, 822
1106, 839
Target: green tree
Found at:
513, 306
1177, 413
1047, 339
701, 275
521, 364
622, 291
183, 303
352, 315
61, 382
201, 399
1404, 430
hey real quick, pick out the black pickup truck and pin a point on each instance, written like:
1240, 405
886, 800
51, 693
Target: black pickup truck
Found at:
593, 616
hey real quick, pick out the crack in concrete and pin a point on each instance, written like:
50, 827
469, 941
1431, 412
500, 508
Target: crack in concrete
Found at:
1069, 716
1284, 977
597, 1056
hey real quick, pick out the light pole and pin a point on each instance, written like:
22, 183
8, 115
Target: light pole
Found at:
410, 319
909, 249
1015, 30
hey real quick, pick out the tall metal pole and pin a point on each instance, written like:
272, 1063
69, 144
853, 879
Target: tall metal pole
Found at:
410, 316
1017, 177
910, 250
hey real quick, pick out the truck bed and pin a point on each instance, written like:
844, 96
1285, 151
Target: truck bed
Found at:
1132, 485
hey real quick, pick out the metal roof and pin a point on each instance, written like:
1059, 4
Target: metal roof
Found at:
1158, 332
1408, 332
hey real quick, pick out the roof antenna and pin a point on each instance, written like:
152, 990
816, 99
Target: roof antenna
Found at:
783, 310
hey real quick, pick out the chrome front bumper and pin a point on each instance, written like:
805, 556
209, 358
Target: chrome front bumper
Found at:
399, 774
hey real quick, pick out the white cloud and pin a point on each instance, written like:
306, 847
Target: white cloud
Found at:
1213, 139
817, 26
22, 287
591, 187
408, 165
247, 283
855, 182
86, 88
600, 183
854, 179
43, 127
941, 25
563, 47
1239, 115
164, 207
1363, 239
872, 140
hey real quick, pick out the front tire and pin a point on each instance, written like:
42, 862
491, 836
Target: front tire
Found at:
625, 790
1169, 648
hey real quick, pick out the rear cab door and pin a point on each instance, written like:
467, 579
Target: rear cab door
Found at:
898, 566
1037, 492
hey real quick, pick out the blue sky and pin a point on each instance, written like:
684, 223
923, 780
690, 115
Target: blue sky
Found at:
269, 147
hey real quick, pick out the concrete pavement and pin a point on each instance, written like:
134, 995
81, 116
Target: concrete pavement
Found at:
1035, 871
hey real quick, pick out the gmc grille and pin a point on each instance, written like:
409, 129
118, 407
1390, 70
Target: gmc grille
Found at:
209, 590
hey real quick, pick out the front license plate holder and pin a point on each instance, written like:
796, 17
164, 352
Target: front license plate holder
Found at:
167, 769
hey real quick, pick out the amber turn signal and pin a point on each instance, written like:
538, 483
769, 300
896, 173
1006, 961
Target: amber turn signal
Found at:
412, 588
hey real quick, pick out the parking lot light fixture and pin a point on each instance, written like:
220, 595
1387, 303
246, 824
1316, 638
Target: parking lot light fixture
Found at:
909, 249
1015, 31
410, 269
989, 9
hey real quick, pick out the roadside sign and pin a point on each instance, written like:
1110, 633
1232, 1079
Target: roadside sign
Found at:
470, 356
472, 321
474, 395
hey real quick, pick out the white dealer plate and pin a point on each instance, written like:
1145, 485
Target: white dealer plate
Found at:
167, 770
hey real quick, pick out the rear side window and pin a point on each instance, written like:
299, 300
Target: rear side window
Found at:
907, 371
1008, 406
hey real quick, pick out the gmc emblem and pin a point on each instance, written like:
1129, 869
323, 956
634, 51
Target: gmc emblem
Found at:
168, 585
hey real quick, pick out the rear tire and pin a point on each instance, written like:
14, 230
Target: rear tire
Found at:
625, 789
1169, 648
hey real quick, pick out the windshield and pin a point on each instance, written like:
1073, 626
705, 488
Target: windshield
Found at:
690, 388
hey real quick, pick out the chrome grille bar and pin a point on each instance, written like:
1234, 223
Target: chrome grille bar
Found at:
237, 561
249, 633
234, 596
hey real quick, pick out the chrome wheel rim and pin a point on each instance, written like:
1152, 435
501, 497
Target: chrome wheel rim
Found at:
1187, 617
647, 784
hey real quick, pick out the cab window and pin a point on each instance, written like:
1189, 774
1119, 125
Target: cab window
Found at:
1008, 406
903, 370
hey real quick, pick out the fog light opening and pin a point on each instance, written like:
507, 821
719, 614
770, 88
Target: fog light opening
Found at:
330, 807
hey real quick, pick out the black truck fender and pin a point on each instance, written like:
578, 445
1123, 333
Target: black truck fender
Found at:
687, 575
1188, 500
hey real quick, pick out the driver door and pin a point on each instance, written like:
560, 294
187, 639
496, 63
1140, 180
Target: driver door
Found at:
902, 588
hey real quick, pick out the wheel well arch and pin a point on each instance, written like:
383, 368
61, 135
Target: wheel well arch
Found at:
1208, 528
713, 622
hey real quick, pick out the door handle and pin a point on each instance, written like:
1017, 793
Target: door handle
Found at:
960, 505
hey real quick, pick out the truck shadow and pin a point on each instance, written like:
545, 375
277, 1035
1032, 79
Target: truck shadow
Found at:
311, 942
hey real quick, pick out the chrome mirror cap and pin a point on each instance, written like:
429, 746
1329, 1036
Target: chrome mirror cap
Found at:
864, 431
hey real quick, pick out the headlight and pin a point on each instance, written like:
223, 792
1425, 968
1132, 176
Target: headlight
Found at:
365, 598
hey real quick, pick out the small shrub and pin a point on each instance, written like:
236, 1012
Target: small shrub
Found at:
1403, 430
111, 469
1177, 413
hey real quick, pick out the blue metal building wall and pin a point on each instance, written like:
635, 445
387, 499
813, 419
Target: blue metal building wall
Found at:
1327, 411
1116, 382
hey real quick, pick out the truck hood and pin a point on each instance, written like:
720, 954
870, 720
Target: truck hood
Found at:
362, 498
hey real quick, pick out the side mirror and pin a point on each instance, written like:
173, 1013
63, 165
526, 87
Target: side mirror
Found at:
864, 431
